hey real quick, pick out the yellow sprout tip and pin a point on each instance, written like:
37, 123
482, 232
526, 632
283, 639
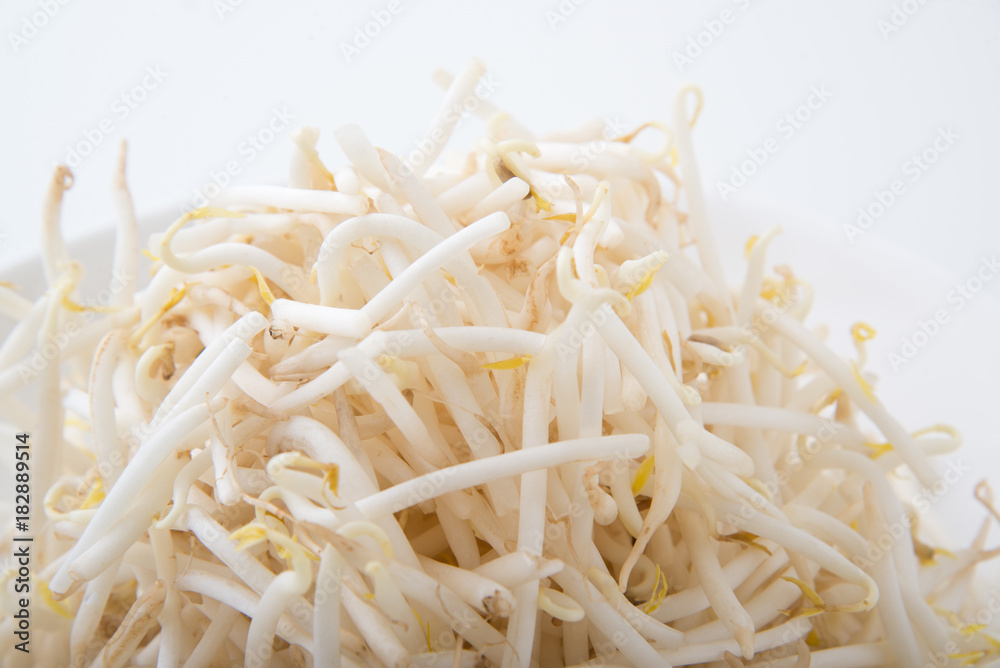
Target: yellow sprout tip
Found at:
248, 535
56, 606
262, 287
659, 592
95, 496
503, 365
807, 591
866, 388
862, 332
642, 475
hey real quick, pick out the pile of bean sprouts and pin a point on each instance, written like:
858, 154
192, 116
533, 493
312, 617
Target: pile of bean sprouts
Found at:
492, 409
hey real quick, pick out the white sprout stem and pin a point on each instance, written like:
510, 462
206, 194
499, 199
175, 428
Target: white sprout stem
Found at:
586, 242
54, 253
667, 472
755, 276
460, 90
140, 619
385, 301
891, 611
22, 337
486, 110
424, 590
324, 319
12, 304
346, 180
564, 157
531, 522
170, 616
240, 598
465, 194
227, 488
214, 638
763, 608
663, 396
642, 366
602, 614
381, 388
519, 567
114, 543
216, 539
282, 590
565, 383
48, 441
216, 230
330, 262
481, 471
110, 454
375, 629
293, 199
182, 484
348, 322
470, 339
485, 595
187, 389
414, 191
782, 419
591, 420
901, 556
720, 596
391, 601
364, 156
88, 615
123, 266
506, 195
326, 612
234, 253
693, 599
796, 540
777, 636
697, 208
170, 438
901, 440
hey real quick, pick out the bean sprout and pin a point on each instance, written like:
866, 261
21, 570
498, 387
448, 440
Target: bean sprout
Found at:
508, 414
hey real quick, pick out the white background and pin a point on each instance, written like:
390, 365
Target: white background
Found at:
557, 64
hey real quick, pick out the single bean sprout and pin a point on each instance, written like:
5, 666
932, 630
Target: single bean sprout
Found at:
502, 410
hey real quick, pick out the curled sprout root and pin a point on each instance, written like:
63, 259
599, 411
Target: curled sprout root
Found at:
502, 412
